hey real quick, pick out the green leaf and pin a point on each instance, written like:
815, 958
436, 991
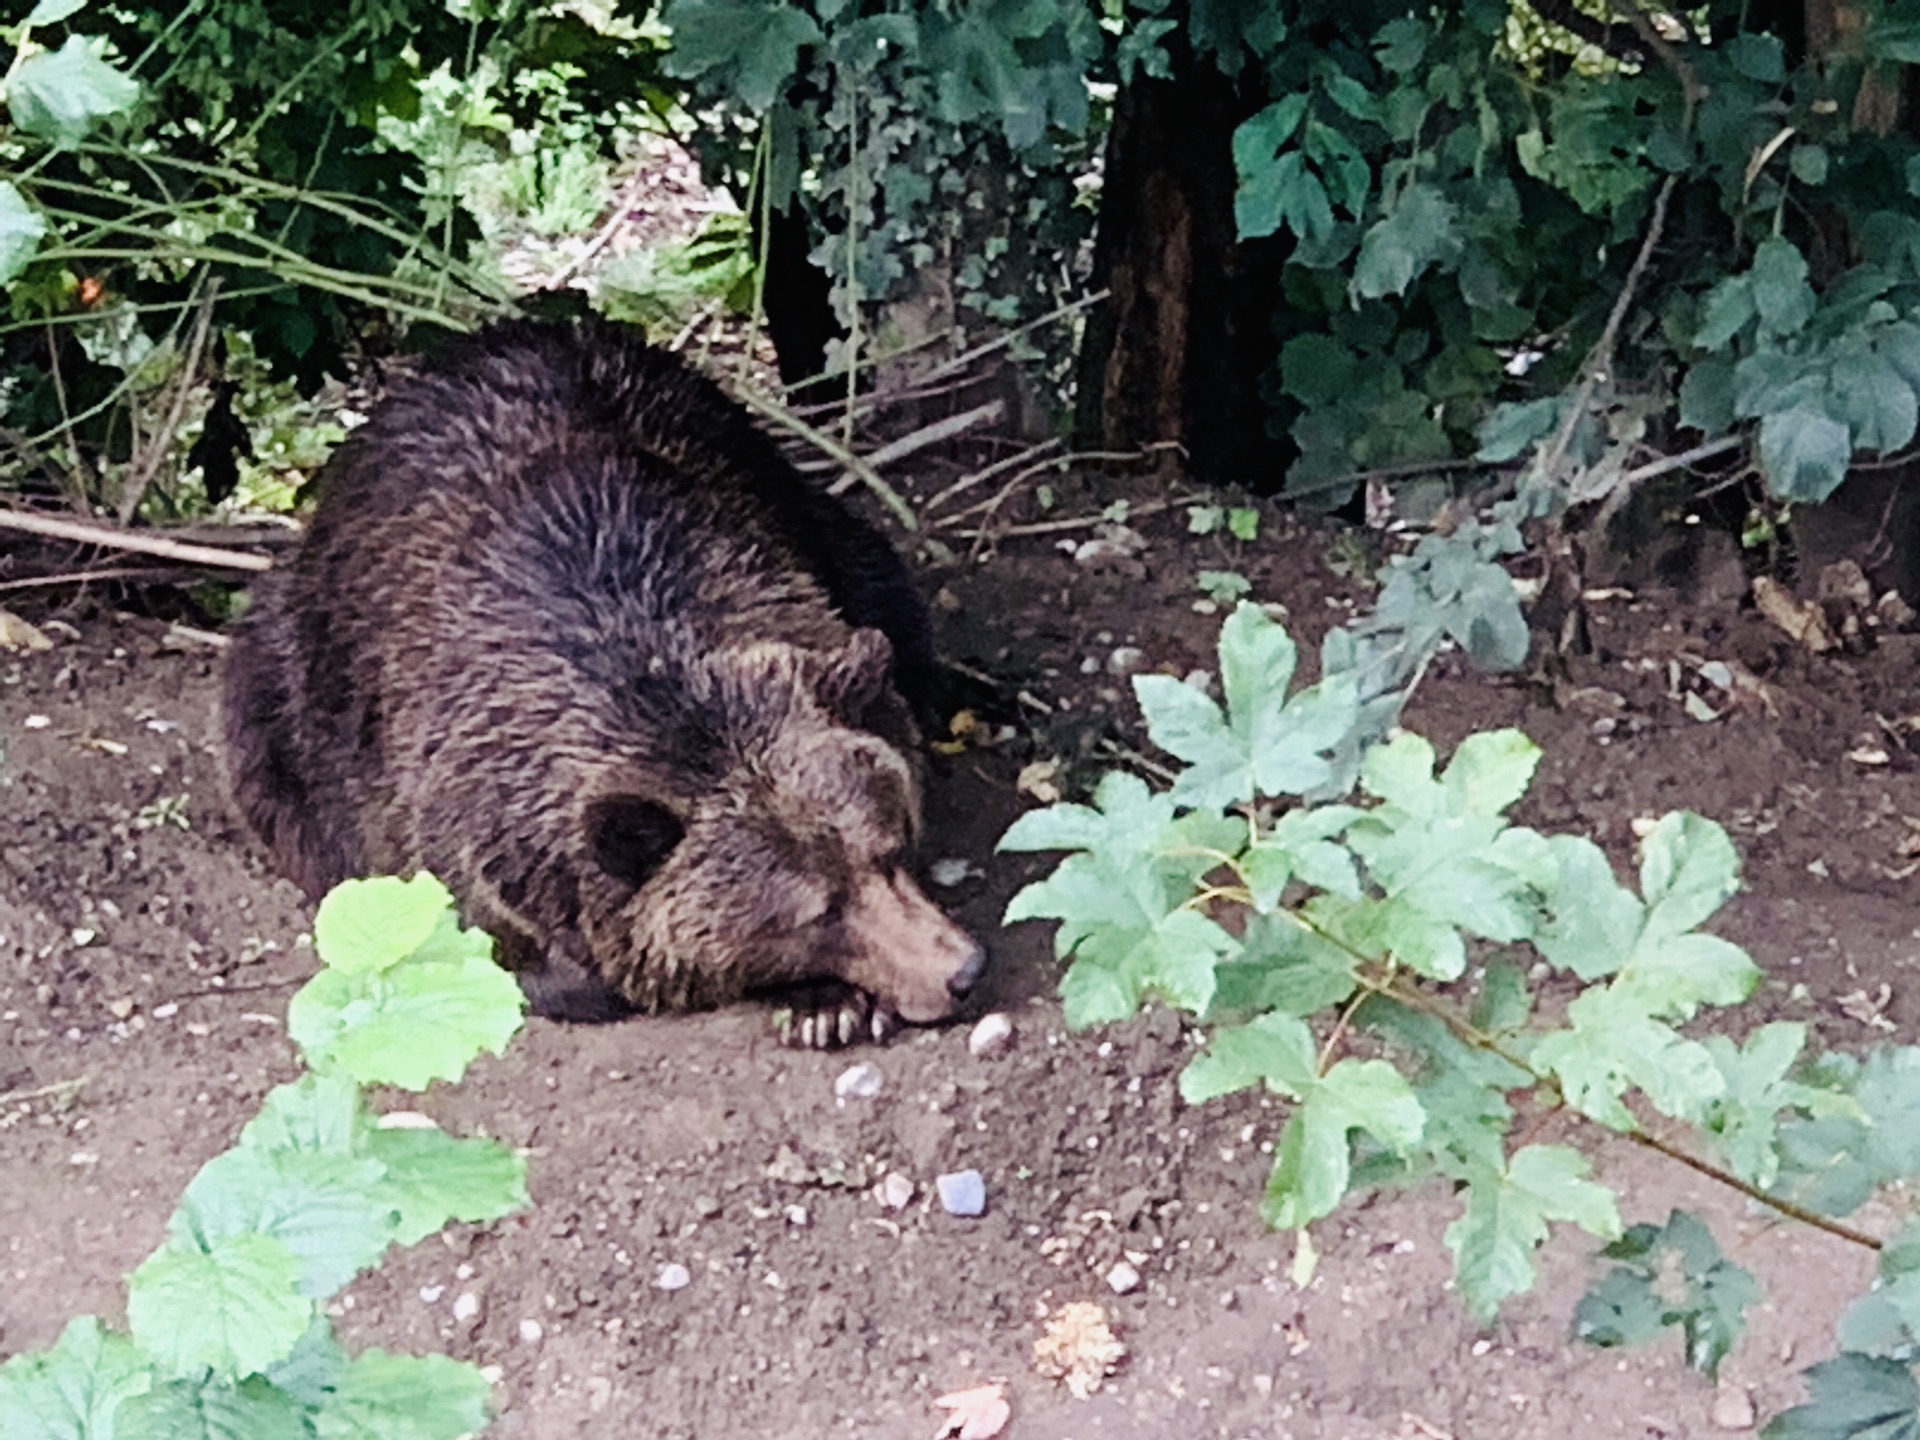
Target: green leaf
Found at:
1706, 397
434, 1177
365, 926
316, 1112
404, 1397
1613, 1045
1729, 309
1268, 183
1758, 57
1744, 1119
1282, 192
1283, 966
1277, 1050
1300, 844
1313, 1160
332, 1211
1506, 1220
1114, 970
1679, 1276
1688, 870
211, 1409
755, 44
1243, 523
1886, 1320
1490, 771
60, 95
409, 1025
1855, 1397
233, 1309
1515, 427
1804, 453
21, 230
52, 12
1781, 295
75, 1390
1421, 232
1264, 743
1834, 1161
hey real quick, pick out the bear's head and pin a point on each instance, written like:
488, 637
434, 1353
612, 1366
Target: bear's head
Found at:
779, 853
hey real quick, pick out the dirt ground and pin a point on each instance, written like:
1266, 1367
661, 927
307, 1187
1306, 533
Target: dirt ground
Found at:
146, 960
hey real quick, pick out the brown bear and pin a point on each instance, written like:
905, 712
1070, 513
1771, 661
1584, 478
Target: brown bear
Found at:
569, 632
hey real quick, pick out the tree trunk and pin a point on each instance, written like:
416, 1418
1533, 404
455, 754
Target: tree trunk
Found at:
1179, 348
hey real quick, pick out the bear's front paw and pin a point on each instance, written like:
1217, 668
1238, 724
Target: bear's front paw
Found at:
830, 1014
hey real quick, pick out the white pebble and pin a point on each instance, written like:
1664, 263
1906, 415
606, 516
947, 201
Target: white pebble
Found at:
797, 1215
36, 722
858, 1082
673, 1277
1123, 1279
896, 1191
166, 1011
430, 1294
991, 1036
466, 1306
531, 1331
1127, 660
950, 872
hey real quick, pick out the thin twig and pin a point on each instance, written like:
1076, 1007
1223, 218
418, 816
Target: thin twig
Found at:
1078, 522
44, 1092
926, 435
138, 541
157, 447
998, 467
1754, 1192
1000, 342
604, 237
1666, 464
787, 420
84, 577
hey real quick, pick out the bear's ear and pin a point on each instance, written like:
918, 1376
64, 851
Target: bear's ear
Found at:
631, 837
856, 676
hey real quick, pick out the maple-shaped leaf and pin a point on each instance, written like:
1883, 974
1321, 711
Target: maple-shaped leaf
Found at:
1119, 898
1834, 1161
1612, 1045
1300, 845
1670, 1275
1508, 1212
1263, 743
1745, 1118
1853, 1397
1283, 965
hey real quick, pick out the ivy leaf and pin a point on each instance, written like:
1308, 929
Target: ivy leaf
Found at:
433, 1177
1782, 297
1729, 309
60, 95
1679, 1275
331, 1211
416, 1023
1421, 232
1854, 1397
21, 230
233, 1309
404, 1397
1313, 1161
366, 926
1506, 1220
210, 1409
1804, 453
1282, 192
75, 1390
755, 44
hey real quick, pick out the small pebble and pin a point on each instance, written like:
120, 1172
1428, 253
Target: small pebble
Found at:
797, 1215
673, 1277
962, 1193
991, 1036
896, 1191
36, 722
1127, 660
84, 936
950, 872
531, 1332
430, 1294
1733, 1409
858, 1082
120, 1008
1123, 1279
166, 1011
466, 1306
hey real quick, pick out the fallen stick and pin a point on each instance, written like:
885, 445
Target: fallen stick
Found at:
927, 435
112, 539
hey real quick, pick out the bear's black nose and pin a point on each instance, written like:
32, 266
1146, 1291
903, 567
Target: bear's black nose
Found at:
968, 975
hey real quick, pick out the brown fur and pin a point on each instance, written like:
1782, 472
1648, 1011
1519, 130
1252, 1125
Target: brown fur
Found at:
567, 631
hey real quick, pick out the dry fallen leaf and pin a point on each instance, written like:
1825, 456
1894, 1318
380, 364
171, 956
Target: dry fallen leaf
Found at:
1037, 779
17, 634
1078, 1347
1803, 621
978, 1414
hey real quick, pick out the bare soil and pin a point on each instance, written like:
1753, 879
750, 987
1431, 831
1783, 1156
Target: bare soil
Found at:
145, 964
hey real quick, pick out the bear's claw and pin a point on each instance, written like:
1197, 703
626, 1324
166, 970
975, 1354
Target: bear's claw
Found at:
830, 1015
